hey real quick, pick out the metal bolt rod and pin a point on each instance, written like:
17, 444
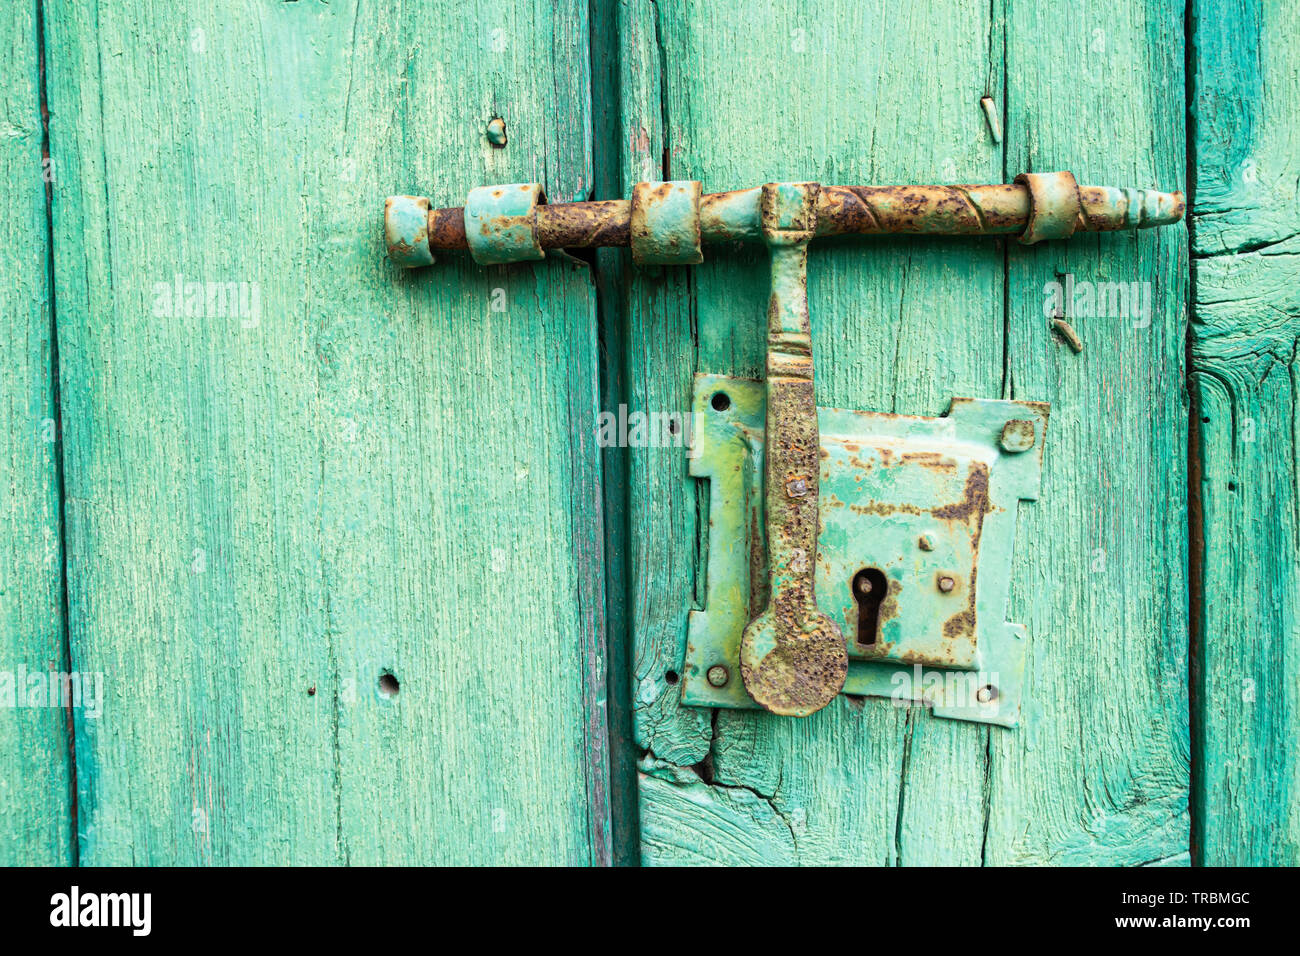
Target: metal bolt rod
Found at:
842, 210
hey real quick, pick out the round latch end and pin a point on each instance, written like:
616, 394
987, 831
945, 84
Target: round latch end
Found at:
406, 231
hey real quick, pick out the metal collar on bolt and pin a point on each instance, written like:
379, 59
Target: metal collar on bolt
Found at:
666, 223
501, 223
1054, 206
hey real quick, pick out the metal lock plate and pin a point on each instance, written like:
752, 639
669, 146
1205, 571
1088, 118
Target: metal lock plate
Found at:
917, 525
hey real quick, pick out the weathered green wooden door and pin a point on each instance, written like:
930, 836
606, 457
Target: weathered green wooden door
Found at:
339, 540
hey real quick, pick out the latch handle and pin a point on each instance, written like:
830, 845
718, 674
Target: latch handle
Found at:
792, 656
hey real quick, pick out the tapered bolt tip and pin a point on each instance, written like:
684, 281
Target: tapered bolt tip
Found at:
1164, 209
1112, 208
1177, 207
406, 230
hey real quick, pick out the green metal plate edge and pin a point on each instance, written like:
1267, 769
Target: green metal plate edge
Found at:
726, 448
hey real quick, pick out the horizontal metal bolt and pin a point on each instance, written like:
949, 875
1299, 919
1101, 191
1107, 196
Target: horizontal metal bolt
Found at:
1040, 207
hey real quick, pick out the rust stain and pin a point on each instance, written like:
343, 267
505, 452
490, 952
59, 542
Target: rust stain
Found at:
937, 461
758, 584
447, 229
961, 626
975, 501
885, 508
889, 606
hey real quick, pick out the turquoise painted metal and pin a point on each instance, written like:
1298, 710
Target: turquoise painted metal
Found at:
406, 231
501, 223
665, 224
928, 503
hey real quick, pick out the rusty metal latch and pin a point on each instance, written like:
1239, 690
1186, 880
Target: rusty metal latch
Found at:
792, 656
908, 563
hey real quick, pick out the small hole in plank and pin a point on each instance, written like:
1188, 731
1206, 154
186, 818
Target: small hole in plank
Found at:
721, 401
671, 677
388, 685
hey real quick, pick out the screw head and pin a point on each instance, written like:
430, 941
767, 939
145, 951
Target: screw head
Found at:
986, 694
796, 487
946, 583
925, 542
718, 675
1017, 436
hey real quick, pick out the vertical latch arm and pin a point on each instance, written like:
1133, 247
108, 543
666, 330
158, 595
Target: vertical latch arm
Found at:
792, 656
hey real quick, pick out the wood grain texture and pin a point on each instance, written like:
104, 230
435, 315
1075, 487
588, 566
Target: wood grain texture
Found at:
1245, 329
876, 93
379, 473
35, 761
1100, 774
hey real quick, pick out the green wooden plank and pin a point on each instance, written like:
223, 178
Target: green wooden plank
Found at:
901, 325
35, 764
375, 477
1245, 328
1099, 774
819, 97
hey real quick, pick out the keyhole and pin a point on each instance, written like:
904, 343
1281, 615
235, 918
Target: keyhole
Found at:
869, 590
